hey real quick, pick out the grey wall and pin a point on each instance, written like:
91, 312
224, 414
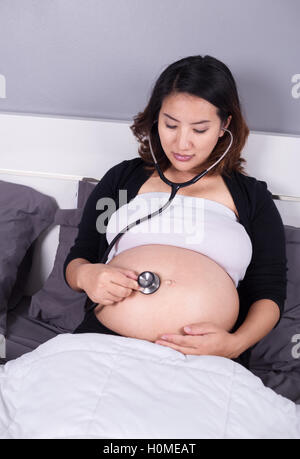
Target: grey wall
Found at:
100, 58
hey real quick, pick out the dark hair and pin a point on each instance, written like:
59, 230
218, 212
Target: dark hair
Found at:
210, 79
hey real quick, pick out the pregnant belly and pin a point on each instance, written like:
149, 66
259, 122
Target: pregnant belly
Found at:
193, 289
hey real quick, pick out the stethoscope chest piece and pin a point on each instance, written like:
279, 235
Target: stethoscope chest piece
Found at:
149, 282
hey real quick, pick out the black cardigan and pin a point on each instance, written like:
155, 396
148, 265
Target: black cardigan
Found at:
266, 275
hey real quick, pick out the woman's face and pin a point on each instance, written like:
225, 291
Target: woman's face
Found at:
188, 125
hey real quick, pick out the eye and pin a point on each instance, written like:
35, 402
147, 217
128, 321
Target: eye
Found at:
195, 130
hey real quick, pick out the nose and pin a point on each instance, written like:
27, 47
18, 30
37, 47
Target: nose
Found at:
183, 140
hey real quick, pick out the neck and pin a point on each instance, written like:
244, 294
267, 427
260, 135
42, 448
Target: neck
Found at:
179, 176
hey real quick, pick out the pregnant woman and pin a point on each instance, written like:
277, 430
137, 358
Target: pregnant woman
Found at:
218, 249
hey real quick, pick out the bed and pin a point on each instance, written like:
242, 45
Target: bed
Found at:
50, 166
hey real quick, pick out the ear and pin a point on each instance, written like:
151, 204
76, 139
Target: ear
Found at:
225, 125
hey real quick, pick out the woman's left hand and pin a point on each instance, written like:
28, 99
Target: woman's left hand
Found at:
203, 339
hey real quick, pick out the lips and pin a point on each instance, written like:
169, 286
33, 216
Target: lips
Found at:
182, 157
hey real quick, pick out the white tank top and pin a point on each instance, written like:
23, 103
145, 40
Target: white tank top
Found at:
198, 224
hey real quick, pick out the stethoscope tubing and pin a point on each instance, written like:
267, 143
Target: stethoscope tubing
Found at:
174, 186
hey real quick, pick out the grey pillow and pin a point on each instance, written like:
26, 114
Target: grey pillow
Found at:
276, 358
22, 279
56, 303
24, 214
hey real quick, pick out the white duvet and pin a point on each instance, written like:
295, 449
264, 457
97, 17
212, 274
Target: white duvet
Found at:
103, 386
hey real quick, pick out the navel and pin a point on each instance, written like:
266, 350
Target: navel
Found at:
169, 282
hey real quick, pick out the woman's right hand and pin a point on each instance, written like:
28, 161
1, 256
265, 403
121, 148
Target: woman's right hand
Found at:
107, 284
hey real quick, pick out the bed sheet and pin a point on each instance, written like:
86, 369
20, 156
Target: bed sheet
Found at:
102, 386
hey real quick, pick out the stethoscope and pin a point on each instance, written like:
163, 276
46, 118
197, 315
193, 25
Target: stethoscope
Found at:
148, 281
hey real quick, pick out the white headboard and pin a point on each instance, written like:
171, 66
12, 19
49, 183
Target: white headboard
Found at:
51, 154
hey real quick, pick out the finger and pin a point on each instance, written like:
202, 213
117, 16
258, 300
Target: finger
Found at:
107, 302
182, 349
181, 340
111, 299
131, 274
124, 281
113, 295
201, 328
118, 290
